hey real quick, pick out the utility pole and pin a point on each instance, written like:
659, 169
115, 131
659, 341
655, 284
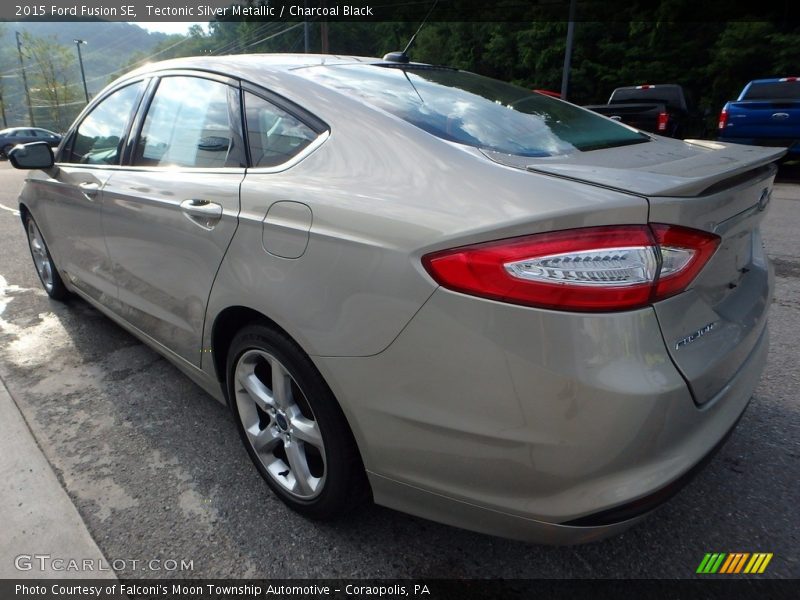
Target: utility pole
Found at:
83, 75
323, 31
306, 30
568, 52
3, 108
25, 81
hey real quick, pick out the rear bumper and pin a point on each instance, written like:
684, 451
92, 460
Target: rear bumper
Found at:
528, 423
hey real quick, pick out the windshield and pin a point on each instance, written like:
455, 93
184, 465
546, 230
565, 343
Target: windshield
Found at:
475, 110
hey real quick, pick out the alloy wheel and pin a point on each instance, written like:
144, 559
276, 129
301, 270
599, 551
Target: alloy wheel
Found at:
279, 424
44, 266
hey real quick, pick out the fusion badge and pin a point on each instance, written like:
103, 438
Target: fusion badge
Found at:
694, 335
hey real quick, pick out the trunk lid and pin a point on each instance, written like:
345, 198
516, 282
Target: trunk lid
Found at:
712, 327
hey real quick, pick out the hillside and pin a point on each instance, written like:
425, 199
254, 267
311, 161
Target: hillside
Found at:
109, 48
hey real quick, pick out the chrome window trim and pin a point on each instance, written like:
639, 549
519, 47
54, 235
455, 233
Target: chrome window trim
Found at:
242, 85
221, 170
300, 156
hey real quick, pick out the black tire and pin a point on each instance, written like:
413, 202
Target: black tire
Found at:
259, 351
43, 262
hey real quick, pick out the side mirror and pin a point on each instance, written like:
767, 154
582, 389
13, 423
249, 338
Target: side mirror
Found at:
36, 155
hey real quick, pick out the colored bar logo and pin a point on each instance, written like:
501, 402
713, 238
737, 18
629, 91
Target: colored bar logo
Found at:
734, 563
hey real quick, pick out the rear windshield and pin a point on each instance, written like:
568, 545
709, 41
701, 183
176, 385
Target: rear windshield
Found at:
669, 95
774, 90
477, 111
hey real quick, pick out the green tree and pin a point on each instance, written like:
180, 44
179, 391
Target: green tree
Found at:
52, 84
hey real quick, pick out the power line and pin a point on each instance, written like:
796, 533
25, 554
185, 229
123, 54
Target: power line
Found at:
263, 28
269, 37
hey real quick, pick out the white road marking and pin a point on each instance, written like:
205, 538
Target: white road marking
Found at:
13, 211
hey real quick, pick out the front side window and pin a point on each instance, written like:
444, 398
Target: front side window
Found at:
100, 136
477, 111
188, 124
274, 135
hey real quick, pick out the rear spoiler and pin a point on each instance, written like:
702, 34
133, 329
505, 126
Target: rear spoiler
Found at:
720, 166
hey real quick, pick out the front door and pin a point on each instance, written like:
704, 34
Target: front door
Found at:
71, 220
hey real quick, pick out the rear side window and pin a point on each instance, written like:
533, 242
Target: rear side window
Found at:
100, 136
273, 134
773, 90
188, 124
477, 111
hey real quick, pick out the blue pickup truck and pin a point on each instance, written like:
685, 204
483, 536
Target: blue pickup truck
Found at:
767, 113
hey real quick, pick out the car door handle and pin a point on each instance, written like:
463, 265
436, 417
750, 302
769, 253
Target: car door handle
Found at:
202, 212
89, 189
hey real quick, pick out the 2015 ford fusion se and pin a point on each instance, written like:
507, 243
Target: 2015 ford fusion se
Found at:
464, 299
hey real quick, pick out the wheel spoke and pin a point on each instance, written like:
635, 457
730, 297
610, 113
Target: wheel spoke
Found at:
47, 274
264, 440
299, 465
281, 385
307, 431
255, 388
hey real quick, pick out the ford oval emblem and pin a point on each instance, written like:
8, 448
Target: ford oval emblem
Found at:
780, 116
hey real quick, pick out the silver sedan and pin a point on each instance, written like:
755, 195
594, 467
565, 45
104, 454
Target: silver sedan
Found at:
460, 298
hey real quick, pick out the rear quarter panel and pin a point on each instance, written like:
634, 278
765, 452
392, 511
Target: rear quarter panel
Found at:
382, 194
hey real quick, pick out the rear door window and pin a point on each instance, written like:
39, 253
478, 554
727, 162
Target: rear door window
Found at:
188, 124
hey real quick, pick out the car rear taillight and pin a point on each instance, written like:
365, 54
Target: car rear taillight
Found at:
723, 119
788, 79
663, 120
593, 269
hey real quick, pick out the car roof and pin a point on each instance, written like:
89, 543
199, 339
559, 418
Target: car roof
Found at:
277, 72
239, 63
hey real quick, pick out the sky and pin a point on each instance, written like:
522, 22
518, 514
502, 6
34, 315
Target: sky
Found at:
169, 26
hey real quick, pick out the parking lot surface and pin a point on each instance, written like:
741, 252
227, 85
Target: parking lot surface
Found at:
157, 471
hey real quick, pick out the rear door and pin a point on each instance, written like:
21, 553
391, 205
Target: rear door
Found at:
170, 215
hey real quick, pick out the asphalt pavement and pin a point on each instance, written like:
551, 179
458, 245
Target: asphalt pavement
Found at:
156, 470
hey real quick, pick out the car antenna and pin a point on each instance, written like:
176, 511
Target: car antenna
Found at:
402, 57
